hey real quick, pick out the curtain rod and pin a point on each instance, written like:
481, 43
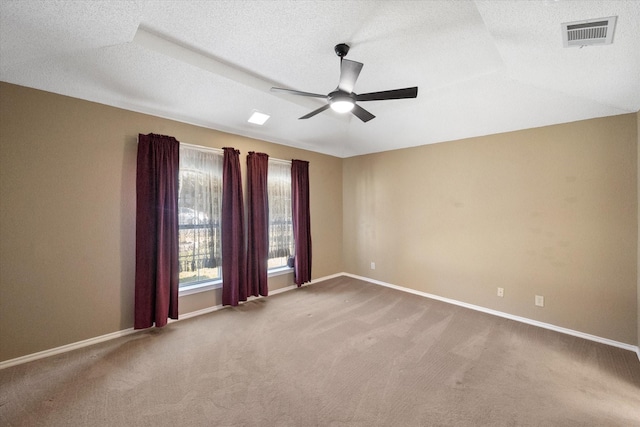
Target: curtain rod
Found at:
221, 151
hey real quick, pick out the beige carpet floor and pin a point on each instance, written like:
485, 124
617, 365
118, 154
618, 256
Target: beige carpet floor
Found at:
337, 353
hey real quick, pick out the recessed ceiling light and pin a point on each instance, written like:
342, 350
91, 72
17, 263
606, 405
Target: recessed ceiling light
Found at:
258, 118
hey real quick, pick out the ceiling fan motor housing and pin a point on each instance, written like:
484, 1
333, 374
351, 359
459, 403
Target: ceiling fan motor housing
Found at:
339, 95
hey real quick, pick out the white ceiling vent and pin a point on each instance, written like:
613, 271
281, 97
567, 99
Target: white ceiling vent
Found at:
590, 32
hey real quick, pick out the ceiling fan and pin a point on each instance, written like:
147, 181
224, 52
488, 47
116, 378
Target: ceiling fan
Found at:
343, 99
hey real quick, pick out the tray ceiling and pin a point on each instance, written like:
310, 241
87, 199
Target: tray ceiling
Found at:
482, 67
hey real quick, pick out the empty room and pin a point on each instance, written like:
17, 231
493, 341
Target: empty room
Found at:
319, 213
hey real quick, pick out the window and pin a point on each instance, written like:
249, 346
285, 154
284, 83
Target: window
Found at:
280, 218
199, 207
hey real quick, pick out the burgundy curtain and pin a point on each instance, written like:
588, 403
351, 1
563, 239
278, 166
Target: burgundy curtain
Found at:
258, 223
156, 287
234, 285
301, 221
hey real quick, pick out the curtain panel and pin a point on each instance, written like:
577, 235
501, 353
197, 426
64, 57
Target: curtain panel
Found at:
234, 284
156, 282
301, 221
258, 223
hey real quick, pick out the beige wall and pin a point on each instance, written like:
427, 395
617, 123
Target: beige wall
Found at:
67, 217
549, 211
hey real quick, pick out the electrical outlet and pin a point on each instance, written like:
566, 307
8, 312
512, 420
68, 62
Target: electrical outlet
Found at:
373, 265
539, 300
501, 292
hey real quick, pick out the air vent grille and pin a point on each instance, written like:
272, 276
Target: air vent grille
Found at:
591, 32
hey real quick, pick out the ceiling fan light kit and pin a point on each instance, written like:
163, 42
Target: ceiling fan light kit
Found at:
341, 102
343, 99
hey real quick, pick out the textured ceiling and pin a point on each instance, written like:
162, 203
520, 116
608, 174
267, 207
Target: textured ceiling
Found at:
482, 67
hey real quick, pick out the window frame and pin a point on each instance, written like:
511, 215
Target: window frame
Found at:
282, 269
190, 289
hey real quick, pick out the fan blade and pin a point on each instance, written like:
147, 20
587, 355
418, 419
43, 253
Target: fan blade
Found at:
408, 92
314, 112
362, 114
297, 92
349, 72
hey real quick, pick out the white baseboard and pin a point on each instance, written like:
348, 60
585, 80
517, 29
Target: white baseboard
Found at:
560, 329
95, 340
220, 306
65, 348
